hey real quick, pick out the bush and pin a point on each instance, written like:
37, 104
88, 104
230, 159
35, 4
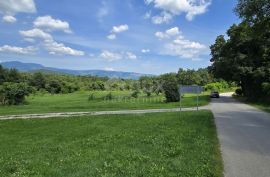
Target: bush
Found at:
91, 97
170, 88
219, 86
109, 96
53, 87
14, 93
135, 94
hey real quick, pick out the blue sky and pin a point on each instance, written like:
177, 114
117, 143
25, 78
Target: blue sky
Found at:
145, 36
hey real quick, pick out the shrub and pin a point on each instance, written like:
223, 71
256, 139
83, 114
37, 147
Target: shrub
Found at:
109, 96
219, 86
91, 97
135, 94
14, 93
170, 88
53, 87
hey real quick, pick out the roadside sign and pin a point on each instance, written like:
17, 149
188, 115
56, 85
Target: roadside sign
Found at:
190, 89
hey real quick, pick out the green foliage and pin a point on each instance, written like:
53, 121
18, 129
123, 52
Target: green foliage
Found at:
91, 97
170, 87
13, 93
53, 87
109, 96
218, 86
135, 94
194, 77
244, 56
38, 81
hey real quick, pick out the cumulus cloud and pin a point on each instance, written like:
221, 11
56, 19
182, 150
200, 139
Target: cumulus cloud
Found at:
111, 36
145, 50
50, 24
114, 56
15, 6
131, 55
191, 8
177, 45
115, 30
50, 45
36, 33
18, 50
168, 33
55, 48
119, 29
110, 56
9, 19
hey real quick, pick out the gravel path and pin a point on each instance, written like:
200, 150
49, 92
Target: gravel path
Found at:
244, 134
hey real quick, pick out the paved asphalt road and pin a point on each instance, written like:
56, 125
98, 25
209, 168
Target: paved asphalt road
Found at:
244, 134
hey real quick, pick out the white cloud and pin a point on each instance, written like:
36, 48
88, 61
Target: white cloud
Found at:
173, 31
36, 33
18, 50
131, 55
164, 17
50, 24
50, 45
177, 45
111, 56
114, 56
55, 48
109, 69
185, 48
168, 33
16, 6
145, 50
111, 36
119, 29
176, 7
9, 19
31, 40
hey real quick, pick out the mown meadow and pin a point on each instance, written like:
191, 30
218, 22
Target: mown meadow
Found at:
155, 144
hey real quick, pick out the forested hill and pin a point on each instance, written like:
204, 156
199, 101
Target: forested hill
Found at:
33, 67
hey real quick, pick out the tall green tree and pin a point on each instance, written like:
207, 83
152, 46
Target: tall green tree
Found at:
245, 56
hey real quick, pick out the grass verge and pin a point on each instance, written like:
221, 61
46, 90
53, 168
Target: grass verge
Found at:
156, 144
260, 105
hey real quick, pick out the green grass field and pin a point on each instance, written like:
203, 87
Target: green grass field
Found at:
163, 144
79, 102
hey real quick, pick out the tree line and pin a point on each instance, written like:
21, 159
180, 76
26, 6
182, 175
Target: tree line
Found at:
14, 85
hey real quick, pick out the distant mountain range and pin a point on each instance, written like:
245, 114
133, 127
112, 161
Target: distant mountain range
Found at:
33, 67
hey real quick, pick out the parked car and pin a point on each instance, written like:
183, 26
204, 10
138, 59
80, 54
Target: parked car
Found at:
214, 94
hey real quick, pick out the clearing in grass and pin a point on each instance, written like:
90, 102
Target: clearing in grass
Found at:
159, 144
